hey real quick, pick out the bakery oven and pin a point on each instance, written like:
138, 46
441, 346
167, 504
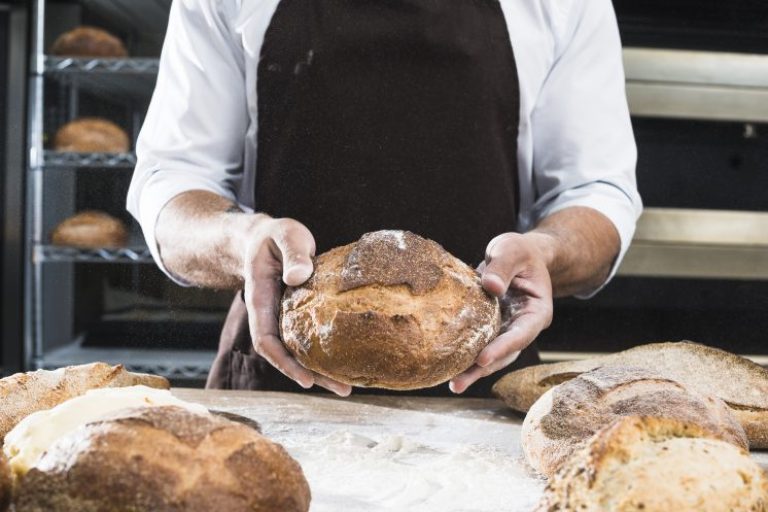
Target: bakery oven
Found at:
697, 81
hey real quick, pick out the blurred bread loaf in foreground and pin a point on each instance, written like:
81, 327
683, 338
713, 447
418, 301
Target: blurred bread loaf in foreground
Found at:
92, 229
392, 310
654, 464
570, 413
24, 393
91, 135
88, 42
740, 383
163, 459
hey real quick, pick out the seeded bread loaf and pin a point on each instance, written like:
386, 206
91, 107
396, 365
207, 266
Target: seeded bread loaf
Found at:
392, 310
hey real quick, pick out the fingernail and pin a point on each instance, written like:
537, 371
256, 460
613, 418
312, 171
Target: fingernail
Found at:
297, 274
452, 387
306, 383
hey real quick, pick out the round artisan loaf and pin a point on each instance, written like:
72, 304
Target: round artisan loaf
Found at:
570, 413
92, 229
163, 459
91, 135
88, 42
392, 310
6, 483
642, 464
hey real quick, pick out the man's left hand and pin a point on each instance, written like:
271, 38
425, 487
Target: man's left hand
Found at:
515, 271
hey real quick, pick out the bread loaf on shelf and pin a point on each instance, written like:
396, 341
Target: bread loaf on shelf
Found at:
392, 310
91, 229
740, 383
652, 464
163, 459
24, 393
91, 135
88, 42
567, 415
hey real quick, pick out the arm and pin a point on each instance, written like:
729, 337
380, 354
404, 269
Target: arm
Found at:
227, 248
584, 176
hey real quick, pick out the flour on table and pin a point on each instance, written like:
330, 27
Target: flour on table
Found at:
353, 472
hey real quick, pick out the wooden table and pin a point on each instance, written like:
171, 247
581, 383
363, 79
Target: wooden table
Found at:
396, 453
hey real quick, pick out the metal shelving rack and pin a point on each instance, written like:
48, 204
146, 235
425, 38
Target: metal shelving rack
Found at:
128, 82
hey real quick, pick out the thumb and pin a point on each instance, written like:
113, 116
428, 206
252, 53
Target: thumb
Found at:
502, 264
295, 247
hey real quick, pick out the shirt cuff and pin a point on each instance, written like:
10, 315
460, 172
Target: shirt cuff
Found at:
156, 192
621, 209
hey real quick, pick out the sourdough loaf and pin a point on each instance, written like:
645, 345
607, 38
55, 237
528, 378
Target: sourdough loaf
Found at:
740, 383
91, 135
88, 42
392, 310
91, 229
641, 464
570, 413
24, 393
163, 459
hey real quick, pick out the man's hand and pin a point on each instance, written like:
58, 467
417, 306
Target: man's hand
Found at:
515, 270
275, 249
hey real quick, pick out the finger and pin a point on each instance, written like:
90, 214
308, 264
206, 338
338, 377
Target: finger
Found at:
333, 386
262, 293
462, 382
521, 332
295, 247
503, 261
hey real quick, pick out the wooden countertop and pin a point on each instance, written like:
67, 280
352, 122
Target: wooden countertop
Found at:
396, 453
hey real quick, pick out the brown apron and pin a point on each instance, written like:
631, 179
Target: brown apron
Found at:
382, 114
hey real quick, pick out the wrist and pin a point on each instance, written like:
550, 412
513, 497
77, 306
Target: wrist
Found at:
241, 235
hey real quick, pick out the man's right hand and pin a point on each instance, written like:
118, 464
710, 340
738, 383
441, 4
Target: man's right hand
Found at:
276, 249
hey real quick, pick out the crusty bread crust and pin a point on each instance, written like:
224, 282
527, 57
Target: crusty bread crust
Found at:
6, 483
570, 413
740, 383
91, 135
164, 459
392, 310
92, 229
646, 464
24, 393
88, 42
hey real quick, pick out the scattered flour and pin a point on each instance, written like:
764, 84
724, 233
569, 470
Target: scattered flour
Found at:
353, 472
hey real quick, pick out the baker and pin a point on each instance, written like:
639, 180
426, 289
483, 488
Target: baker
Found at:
281, 129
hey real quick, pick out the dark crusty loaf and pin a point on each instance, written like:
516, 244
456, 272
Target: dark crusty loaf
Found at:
91, 135
88, 42
163, 459
740, 383
392, 310
24, 393
91, 229
641, 464
570, 413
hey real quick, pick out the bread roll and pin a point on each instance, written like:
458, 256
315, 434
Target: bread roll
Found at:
91, 135
570, 413
740, 383
24, 393
164, 459
6, 484
88, 42
91, 229
392, 310
653, 464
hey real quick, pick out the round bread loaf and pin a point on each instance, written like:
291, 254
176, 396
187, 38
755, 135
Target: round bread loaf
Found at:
88, 42
163, 459
570, 413
5, 483
392, 310
641, 464
90, 229
91, 135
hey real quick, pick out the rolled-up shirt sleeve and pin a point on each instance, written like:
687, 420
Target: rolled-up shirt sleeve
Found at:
194, 132
583, 145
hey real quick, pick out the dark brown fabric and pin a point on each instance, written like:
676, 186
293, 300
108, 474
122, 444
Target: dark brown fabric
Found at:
396, 114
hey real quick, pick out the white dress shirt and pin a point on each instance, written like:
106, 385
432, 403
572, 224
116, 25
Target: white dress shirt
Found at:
575, 141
